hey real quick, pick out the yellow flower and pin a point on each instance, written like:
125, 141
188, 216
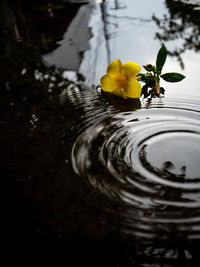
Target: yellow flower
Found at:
121, 79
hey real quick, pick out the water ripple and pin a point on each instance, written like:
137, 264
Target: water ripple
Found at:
148, 160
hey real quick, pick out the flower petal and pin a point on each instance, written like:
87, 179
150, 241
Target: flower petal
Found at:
130, 69
114, 69
112, 85
133, 89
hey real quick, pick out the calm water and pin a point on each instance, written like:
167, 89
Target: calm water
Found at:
114, 179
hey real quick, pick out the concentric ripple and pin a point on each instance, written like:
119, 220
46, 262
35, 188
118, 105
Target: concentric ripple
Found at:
149, 160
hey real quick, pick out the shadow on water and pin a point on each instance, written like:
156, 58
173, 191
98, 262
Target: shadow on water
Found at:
54, 130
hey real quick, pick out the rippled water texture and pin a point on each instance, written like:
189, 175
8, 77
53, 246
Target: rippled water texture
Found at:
146, 155
149, 160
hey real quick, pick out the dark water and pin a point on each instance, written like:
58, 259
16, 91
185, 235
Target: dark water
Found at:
102, 180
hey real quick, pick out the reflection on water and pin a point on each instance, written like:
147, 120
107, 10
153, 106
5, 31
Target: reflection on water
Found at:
80, 165
180, 25
144, 157
149, 160
68, 54
129, 34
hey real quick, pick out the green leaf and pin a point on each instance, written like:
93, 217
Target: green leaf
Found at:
173, 77
161, 57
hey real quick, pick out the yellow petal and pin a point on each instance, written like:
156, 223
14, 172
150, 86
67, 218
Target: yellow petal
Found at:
112, 85
133, 89
114, 69
130, 69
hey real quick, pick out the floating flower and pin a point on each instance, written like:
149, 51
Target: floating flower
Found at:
121, 79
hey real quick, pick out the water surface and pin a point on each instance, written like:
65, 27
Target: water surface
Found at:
119, 179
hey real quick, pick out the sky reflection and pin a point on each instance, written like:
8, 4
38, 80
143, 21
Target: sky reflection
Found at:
131, 33
126, 29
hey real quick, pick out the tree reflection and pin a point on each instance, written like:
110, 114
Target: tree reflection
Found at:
104, 17
103, 6
28, 30
182, 23
32, 122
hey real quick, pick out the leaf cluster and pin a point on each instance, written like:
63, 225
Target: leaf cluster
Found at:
154, 73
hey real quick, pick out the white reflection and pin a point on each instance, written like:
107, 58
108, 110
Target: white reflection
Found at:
70, 75
74, 43
23, 72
